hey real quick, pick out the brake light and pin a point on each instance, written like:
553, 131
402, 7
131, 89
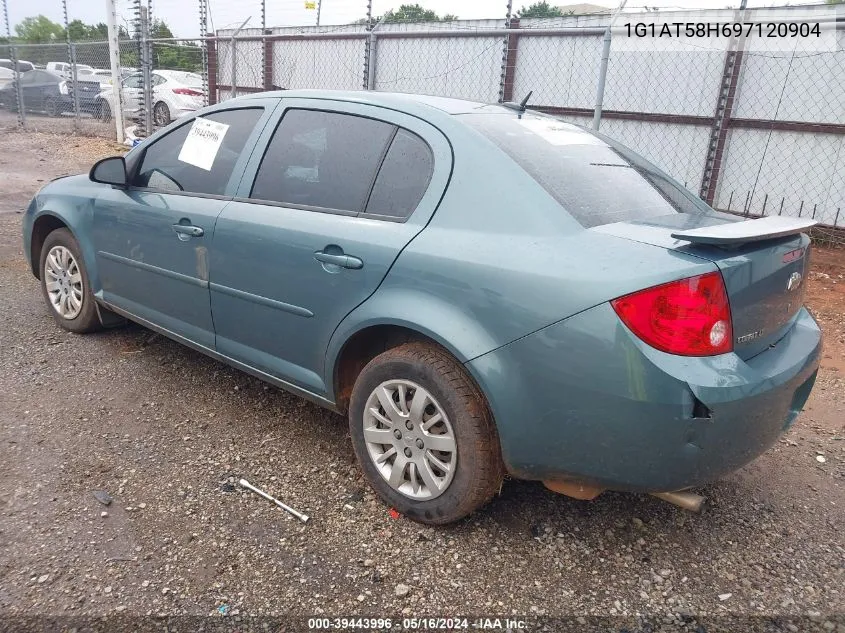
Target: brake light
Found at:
689, 317
187, 92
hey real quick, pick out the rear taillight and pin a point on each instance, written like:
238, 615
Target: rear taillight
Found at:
63, 88
188, 92
689, 317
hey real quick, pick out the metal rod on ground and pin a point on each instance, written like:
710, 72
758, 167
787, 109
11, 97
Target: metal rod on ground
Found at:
114, 59
605, 58
302, 517
234, 92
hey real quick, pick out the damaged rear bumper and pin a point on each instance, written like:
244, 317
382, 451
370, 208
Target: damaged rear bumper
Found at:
584, 400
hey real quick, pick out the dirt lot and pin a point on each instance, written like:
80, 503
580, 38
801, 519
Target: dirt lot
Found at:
164, 430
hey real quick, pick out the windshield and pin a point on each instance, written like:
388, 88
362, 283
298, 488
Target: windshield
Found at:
594, 179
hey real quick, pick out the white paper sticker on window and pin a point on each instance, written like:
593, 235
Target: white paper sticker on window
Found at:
202, 143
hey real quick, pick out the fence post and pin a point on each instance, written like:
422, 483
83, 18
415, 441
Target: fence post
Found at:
509, 63
211, 55
74, 78
371, 59
114, 59
367, 46
13, 57
268, 61
605, 57
722, 116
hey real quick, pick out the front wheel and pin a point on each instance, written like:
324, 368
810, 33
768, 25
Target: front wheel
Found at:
65, 284
423, 434
51, 107
102, 110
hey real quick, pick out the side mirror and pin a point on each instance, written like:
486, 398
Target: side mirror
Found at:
110, 171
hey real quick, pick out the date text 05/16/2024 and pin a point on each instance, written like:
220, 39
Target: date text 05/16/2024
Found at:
416, 624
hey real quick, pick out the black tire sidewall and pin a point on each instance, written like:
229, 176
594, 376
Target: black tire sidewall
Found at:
450, 505
87, 320
161, 106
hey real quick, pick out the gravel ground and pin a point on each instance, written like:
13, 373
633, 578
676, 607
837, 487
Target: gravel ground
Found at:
166, 432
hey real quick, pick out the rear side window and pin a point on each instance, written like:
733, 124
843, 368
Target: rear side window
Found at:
322, 159
595, 180
161, 168
403, 178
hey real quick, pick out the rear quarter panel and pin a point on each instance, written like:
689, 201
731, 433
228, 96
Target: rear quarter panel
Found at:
500, 259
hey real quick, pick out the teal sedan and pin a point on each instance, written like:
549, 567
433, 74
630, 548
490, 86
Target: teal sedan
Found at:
481, 289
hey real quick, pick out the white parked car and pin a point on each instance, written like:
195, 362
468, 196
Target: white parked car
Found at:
175, 94
66, 70
23, 65
96, 74
6, 76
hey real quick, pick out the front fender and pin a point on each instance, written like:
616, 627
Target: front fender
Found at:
69, 201
444, 323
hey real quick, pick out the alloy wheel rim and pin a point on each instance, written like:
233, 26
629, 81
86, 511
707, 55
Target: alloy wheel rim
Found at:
160, 116
410, 440
63, 281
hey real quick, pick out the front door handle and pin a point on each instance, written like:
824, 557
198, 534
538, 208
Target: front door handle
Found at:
344, 261
188, 230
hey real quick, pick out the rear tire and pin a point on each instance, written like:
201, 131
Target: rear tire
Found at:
161, 114
65, 284
433, 425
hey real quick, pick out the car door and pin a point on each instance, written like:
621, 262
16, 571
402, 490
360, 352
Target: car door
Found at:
152, 238
132, 88
31, 90
318, 221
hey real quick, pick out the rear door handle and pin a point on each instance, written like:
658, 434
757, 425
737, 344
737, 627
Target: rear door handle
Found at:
188, 230
345, 261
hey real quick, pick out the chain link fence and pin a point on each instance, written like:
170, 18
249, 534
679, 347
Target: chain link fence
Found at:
753, 132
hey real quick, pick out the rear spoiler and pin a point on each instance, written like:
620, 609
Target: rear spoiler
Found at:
734, 233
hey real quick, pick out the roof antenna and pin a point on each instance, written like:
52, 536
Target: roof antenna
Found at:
524, 102
521, 106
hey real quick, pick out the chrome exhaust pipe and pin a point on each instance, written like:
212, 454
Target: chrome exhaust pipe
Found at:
686, 500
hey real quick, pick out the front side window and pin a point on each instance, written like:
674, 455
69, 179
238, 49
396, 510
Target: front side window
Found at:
162, 167
322, 159
135, 81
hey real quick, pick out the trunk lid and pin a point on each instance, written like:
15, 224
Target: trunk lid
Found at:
764, 263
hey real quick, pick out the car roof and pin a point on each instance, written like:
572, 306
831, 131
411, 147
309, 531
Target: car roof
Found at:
395, 100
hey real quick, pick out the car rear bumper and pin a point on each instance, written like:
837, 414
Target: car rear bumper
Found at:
585, 400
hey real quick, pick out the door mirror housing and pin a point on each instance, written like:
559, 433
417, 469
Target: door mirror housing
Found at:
110, 171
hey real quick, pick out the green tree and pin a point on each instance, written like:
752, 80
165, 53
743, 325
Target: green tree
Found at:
541, 10
415, 13
39, 30
160, 30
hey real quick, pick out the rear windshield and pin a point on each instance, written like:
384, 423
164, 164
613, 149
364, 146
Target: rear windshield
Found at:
593, 178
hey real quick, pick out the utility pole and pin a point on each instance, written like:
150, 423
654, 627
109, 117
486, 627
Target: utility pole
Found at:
114, 58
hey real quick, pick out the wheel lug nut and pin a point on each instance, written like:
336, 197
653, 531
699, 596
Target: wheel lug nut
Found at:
407, 452
397, 434
420, 444
409, 425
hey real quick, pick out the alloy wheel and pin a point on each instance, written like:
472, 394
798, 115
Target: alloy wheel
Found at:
63, 282
410, 439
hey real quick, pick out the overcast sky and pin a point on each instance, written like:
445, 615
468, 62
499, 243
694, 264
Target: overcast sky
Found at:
183, 17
